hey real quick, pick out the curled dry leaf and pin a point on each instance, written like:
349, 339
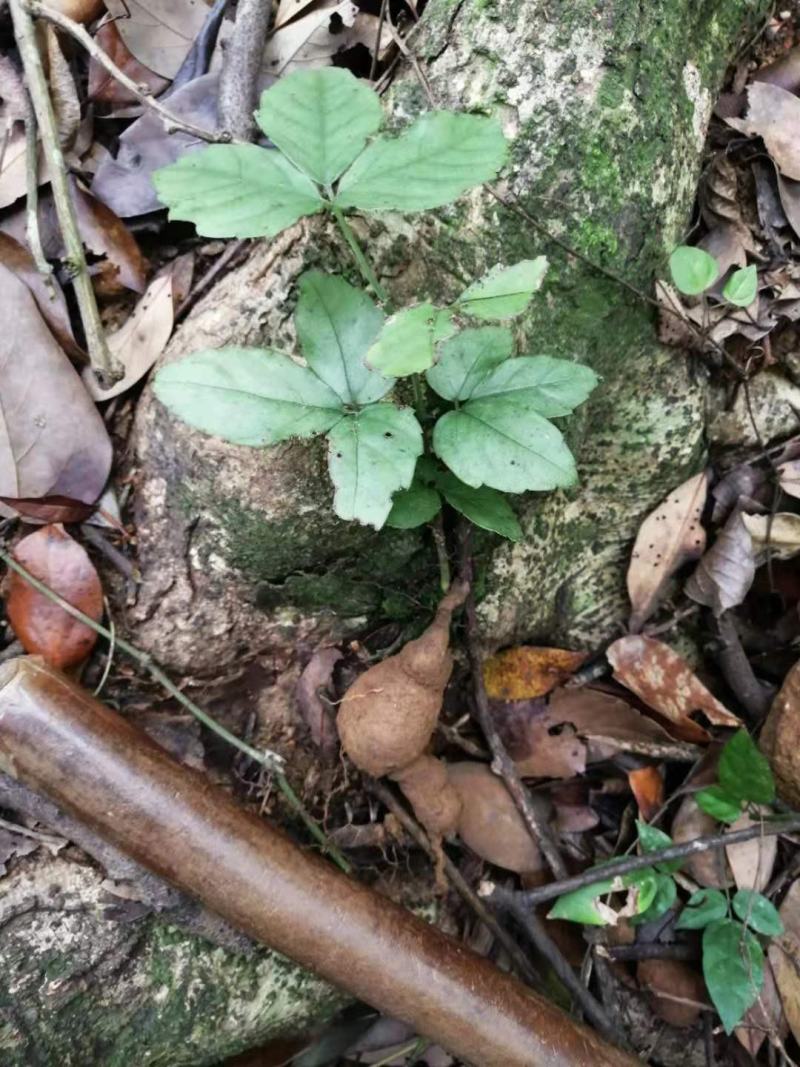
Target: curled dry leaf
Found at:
43, 627
743, 480
53, 442
667, 684
525, 672
778, 534
105, 89
784, 953
723, 577
752, 861
647, 786
774, 115
318, 715
49, 297
669, 537
780, 738
709, 868
677, 993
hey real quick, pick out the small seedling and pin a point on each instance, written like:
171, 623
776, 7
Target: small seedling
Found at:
694, 271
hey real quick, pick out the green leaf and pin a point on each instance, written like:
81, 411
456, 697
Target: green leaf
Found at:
505, 445
430, 163
665, 896
758, 913
549, 386
413, 507
646, 882
406, 343
505, 291
733, 967
372, 454
467, 358
320, 119
249, 396
742, 286
744, 771
236, 190
484, 507
692, 269
719, 804
704, 906
580, 906
336, 324
653, 840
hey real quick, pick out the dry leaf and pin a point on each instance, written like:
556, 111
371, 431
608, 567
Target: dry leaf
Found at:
647, 786
290, 9
707, 868
790, 477
608, 724
43, 627
674, 326
669, 537
12, 92
159, 33
743, 480
105, 89
49, 297
52, 439
764, 1017
79, 10
314, 39
667, 684
104, 233
779, 534
751, 861
525, 672
783, 71
789, 192
318, 715
724, 575
719, 194
677, 992
784, 954
780, 738
542, 745
13, 175
774, 116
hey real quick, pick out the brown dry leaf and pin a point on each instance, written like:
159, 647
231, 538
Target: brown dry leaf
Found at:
63, 93
774, 116
527, 671
743, 480
105, 89
647, 786
667, 684
764, 1017
79, 10
43, 627
779, 534
724, 575
669, 537
573, 813
784, 71
104, 233
708, 868
49, 298
677, 992
607, 724
751, 861
780, 738
728, 245
542, 745
719, 195
789, 192
674, 326
314, 39
53, 442
318, 715
159, 33
784, 955
13, 177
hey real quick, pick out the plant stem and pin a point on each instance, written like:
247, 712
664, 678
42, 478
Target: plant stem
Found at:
364, 264
439, 539
25, 34
271, 760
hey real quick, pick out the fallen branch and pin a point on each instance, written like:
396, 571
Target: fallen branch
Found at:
238, 83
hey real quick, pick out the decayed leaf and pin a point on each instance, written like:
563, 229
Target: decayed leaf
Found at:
779, 534
724, 575
105, 89
525, 672
774, 116
751, 861
52, 439
780, 738
708, 868
669, 537
667, 684
784, 954
647, 786
49, 298
43, 627
319, 716
542, 745
159, 33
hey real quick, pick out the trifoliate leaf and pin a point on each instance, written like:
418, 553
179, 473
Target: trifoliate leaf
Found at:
413, 507
504, 444
744, 771
236, 190
505, 291
372, 454
757, 912
692, 269
703, 907
336, 324
665, 896
320, 119
551, 387
467, 358
249, 396
407, 341
733, 967
431, 163
484, 507
719, 804
653, 840
742, 286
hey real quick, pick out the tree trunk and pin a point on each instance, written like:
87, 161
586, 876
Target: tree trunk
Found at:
244, 565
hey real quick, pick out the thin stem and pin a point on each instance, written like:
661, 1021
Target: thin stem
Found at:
25, 33
32, 196
271, 760
364, 264
440, 541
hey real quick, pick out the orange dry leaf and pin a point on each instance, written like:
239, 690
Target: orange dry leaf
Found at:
43, 627
667, 684
526, 672
647, 787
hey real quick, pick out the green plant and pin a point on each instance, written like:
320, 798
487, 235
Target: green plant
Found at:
733, 955
694, 271
486, 416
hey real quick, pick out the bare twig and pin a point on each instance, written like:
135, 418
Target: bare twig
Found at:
238, 83
25, 33
171, 121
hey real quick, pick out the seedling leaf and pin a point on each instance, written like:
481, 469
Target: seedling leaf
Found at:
758, 913
413, 507
466, 359
505, 291
703, 907
692, 269
742, 286
733, 967
653, 840
665, 895
580, 906
719, 804
744, 771
406, 343
484, 507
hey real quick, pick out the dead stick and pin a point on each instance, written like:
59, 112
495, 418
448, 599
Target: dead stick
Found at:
96, 346
238, 83
57, 739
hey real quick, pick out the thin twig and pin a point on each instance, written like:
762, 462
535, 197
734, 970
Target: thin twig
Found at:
373, 67
32, 196
172, 121
502, 763
270, 760
238, 82
97, 348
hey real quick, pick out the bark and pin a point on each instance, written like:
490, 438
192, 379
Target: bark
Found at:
244, 565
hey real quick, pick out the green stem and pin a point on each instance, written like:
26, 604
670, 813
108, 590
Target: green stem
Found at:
271, 760
364, 264
439, 539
